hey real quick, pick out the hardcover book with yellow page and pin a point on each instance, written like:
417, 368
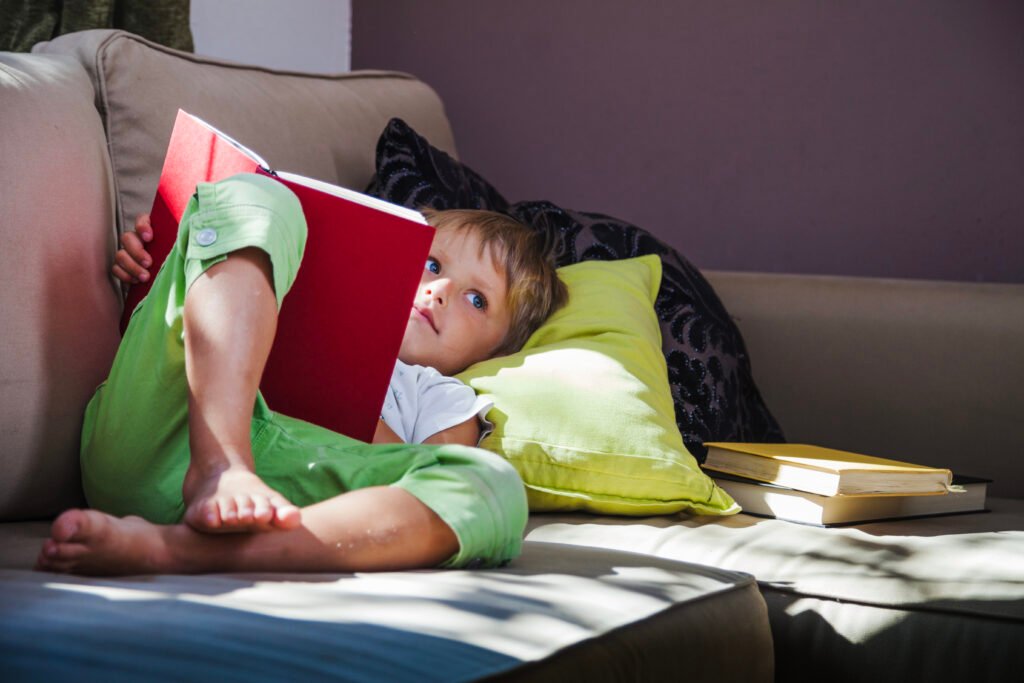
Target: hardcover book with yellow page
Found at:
825, 471
968, 494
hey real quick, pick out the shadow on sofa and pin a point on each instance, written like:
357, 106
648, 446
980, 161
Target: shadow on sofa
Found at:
866, 642
64, 630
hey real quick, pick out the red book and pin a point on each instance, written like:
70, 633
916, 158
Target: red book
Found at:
341, 324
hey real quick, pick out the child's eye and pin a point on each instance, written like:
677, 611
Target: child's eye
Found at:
477, 300
433, 266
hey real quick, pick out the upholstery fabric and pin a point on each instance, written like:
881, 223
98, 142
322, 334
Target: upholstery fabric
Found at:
876, 600
600, 615
58, 306
920, 371
318, 126
715, 396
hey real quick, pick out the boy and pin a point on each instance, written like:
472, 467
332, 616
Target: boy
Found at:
180, 435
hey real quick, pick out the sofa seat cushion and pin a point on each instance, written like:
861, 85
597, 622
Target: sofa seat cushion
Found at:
885, 599
557, 611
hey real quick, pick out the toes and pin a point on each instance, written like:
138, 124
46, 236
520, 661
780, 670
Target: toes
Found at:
47, 565
228, 511
286, 515
204, 516
66, 552
60, 557
44, 559
262, 512
210, 514
68, 525
245, 506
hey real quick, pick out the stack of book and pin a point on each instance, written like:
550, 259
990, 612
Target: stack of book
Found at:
827, 487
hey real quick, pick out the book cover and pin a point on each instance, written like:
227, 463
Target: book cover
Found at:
342, 323
967, 494
825, 471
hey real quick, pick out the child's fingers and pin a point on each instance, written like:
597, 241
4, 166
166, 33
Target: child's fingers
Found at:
130, 267
122, 275
133, 245
144, 227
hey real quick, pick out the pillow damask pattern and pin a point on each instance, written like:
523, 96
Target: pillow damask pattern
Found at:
710, 376
413, 173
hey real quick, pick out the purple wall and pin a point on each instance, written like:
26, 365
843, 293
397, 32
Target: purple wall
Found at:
856, 138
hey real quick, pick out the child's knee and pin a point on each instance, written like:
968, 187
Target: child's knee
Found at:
495, 533
243, 195
247, 211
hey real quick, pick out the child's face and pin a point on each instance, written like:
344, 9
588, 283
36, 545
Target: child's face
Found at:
460, 314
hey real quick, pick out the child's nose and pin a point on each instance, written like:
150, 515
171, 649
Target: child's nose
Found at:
437, 291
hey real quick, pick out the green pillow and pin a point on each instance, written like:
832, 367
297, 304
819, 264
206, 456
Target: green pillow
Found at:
584, 411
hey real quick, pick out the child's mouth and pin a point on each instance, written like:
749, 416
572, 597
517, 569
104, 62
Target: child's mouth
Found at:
425, 314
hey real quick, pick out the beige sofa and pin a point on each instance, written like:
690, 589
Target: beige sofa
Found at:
922, 371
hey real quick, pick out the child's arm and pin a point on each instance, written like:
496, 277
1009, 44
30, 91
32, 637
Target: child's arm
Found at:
466, 433
385, 434
132, 260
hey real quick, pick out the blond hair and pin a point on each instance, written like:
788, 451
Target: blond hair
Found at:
534, 288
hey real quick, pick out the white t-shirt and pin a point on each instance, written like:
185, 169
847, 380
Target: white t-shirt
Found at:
422, 402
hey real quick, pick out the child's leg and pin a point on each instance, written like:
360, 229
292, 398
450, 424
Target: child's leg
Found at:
229, 322
137, 431
449, 505
180, 394
453, 505
371, 529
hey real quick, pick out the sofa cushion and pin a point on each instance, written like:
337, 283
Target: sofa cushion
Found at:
58, 306
584, 412
320, 126
412, 172
710, 375
924, 599
556, 613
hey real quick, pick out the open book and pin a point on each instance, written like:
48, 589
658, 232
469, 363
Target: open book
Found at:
342, 323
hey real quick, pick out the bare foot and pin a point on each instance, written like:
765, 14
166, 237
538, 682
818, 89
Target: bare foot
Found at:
95, 543
235, 499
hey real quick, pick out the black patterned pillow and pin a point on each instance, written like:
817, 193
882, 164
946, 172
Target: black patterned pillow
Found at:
713, 388
413, 173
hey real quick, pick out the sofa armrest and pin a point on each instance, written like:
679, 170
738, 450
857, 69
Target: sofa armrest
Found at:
59, 305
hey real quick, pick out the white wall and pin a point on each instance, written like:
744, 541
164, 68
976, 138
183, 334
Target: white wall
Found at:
299, 35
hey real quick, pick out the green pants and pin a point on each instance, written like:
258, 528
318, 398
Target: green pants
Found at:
135, 445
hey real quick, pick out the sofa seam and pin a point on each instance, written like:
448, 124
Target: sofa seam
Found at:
101, 105
903, 607
367, 74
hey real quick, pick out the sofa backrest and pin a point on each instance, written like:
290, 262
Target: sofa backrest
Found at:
321, 126
85, 123
929, 372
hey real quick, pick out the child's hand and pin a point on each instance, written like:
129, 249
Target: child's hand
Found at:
132, 260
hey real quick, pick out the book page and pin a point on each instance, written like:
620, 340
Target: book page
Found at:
329, 188
354, 196
233, 142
